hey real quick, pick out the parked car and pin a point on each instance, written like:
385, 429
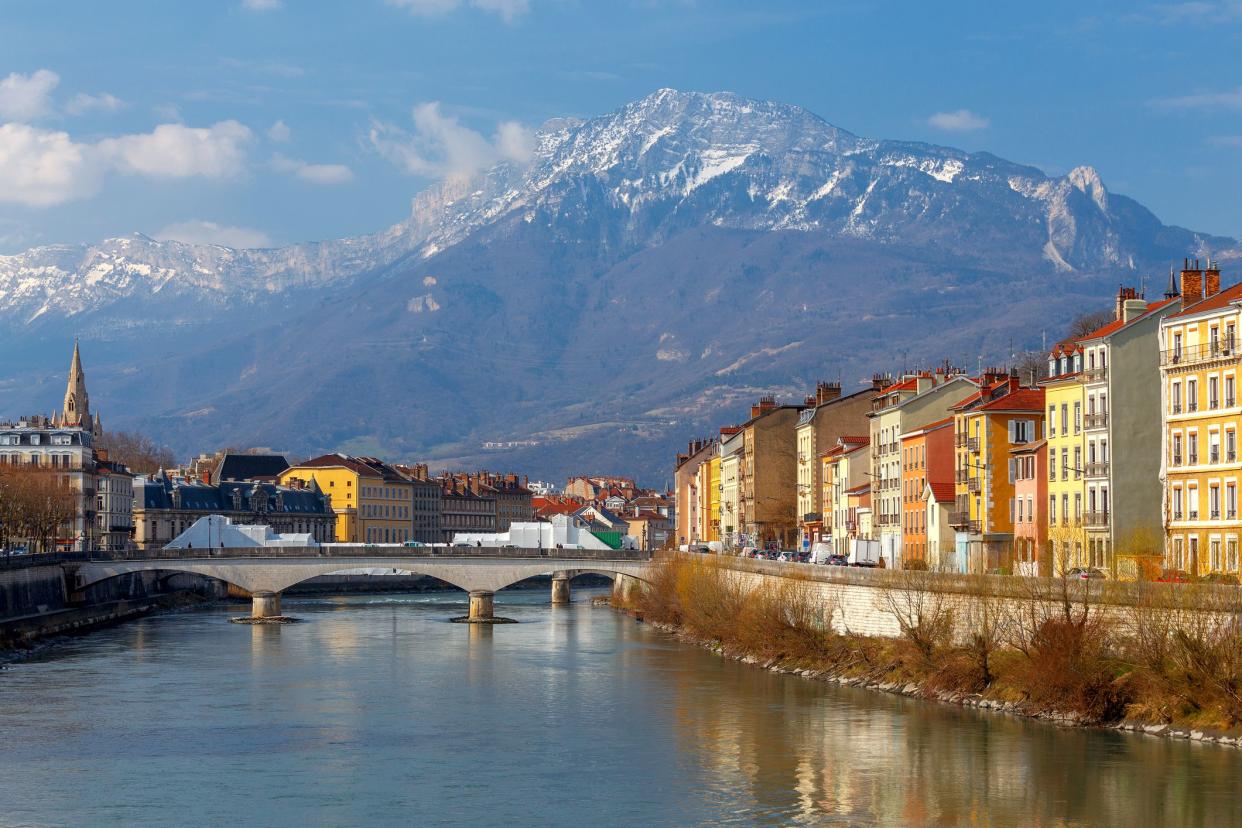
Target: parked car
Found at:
1086, 573
1174, 576
17, 550
838, 560
414, 544
1220, 578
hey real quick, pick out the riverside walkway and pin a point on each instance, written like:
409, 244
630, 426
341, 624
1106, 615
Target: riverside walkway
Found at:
267, 571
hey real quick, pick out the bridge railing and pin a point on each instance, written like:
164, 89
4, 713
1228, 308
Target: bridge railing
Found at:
347, 551
9, 561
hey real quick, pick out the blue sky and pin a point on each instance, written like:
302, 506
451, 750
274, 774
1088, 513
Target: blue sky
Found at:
273, 121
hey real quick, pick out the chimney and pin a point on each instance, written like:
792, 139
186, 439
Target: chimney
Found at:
810, 401
826, 392
1211, 279
880, 381
1124, 294
766, 403
923, 382
1192, 283
1133, 309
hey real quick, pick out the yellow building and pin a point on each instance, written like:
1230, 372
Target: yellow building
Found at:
372, 500
712, 512
1199, 365
988, 424
1065, 397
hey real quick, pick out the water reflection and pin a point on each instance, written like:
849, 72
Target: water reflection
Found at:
375, 710
800, 751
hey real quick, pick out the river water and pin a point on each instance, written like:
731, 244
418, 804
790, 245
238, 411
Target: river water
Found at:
376, 711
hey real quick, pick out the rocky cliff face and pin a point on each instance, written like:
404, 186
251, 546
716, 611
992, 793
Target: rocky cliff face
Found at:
640, 277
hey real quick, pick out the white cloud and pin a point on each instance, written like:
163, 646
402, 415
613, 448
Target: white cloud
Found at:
178, 151
82, 102
27, 97
1226, 100
279, 132
262, 5
507, 9
41, 168
314, 173
960, 120
441, 147
197, 231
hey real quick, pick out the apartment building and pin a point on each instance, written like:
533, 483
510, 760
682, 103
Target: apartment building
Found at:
988, 426
926, 458
901, 407
1199, 366
827, 416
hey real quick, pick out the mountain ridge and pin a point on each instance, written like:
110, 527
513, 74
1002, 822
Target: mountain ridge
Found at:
642, 274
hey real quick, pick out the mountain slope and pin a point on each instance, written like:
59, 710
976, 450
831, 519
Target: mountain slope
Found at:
642, 276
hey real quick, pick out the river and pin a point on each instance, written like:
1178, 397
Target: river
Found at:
376, 711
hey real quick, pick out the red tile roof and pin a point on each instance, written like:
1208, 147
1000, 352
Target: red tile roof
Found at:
1024, 399
942, 490
863, 489
1214, 302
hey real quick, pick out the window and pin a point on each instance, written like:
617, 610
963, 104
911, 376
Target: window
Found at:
1214, 554
1175, 398
1065, 464
1214, 502
1192, 395
1077, 416
1213, 398
1052, 420
1177, 449
1077, 462
1065, 512
1178, 554
1231, 501
1230, 399
1064, 418
1192, 502
1231, 554
1192, 447
1177, 503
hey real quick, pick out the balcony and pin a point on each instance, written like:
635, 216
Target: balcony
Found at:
1220, 349
1097, 469
1192, 405
1096, 520
1177, 514
1096, 420
1192, 459
959, 440
1177, 407
962, 521
1177, 458
972, 444
1213, 455
960, 476
1097, 374
974, 484
1193, 514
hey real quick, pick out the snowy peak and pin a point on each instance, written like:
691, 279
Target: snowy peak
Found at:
632, 179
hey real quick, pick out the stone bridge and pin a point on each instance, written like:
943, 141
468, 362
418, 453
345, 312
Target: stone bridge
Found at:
266, 572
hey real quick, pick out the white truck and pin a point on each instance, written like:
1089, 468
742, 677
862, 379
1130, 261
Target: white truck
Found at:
821, 551
864, 552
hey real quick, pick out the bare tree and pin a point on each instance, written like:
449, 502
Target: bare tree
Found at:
923, 612
137, 451
1032, 366
1085, 323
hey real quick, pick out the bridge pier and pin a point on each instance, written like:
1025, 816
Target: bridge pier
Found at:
560, 588
481, 605
264, 604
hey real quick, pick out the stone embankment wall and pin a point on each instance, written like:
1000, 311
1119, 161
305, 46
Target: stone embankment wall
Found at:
30, 590
859, 597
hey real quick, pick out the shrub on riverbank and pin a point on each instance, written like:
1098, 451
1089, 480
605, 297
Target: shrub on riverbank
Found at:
1175, 655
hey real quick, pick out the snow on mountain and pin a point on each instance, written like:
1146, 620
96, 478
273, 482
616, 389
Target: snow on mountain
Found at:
633, 178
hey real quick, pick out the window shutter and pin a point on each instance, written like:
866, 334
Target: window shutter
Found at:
1012, 468
1012, 424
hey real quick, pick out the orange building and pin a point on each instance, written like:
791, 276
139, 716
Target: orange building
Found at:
926, 457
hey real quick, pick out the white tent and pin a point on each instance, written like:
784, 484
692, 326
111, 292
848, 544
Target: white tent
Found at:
217, 531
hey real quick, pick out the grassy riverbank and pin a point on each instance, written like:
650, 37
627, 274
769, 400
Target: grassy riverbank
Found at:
1172, 662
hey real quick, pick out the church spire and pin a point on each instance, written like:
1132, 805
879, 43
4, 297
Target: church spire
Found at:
1171, 292
77, 411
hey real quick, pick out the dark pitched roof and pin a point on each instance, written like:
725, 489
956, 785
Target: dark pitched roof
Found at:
249, 466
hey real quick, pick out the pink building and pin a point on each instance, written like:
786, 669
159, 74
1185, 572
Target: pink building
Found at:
1029, 509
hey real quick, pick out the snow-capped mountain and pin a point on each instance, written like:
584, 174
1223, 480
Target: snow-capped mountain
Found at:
636, 176
691, 248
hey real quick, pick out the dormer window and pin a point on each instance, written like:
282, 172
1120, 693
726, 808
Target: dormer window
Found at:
1052, 367
1077, 362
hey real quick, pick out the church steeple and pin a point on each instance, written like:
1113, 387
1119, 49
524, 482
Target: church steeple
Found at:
77, 410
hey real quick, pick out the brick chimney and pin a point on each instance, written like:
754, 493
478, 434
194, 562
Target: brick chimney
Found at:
1192, 283
766, 403
1211, 279
880, 381
826, 392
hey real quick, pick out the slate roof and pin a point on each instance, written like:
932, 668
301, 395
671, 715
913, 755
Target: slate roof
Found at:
157, 493
249, 466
